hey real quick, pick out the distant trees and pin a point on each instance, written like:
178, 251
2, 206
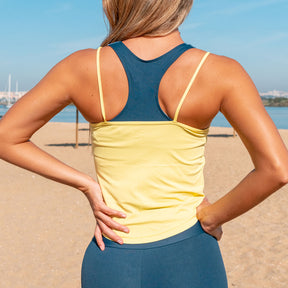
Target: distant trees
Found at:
275, 101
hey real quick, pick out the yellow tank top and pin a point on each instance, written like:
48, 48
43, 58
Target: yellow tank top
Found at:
151, 170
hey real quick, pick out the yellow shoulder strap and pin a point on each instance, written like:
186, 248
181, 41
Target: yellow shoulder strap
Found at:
100, 85
189, 85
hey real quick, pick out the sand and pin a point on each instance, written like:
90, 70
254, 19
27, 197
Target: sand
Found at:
46, 226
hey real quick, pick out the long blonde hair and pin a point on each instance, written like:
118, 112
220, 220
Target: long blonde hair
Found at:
135, 18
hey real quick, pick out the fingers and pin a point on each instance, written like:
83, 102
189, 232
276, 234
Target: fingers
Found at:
106, 225
100, 206
112, 224
102, 229
105, 214
217, 233
111, 212
98, 237
106, 231
201, 214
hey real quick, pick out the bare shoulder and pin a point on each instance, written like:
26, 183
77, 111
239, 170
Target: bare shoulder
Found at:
80, 61
216, 65
228, 71
239, 95
84, 61
220, 75
228, 77
75, 71
223, 62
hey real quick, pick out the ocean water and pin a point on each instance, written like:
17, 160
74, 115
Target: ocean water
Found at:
68, 115
278, 114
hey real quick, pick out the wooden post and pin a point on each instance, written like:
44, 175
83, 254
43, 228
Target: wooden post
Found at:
77, 120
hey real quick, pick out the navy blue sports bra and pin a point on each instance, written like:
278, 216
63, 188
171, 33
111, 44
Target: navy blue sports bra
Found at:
144, 77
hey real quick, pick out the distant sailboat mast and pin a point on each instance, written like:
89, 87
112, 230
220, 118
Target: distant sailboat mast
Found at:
9, 92
16, 88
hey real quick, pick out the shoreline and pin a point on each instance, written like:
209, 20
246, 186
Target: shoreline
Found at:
211, 127
279, 115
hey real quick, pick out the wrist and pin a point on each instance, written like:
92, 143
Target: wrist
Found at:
86, 184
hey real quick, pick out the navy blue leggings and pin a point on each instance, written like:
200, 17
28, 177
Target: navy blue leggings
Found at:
191, 259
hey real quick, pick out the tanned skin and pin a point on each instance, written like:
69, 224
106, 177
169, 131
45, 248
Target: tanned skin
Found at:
221, 85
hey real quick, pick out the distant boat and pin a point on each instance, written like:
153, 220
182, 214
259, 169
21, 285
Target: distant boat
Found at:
9, 104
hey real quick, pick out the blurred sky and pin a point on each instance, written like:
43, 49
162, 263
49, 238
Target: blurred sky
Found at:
35, 35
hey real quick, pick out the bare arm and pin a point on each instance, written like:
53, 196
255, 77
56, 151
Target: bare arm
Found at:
55, 91
242, 106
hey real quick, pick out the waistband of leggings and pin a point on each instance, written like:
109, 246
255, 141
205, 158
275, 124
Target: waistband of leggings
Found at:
193, 231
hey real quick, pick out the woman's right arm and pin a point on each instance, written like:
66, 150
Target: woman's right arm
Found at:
55, 91
242, 106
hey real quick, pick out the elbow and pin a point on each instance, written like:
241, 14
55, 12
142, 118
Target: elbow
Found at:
281, 174
3, 144
275, 172
284, 177
2, 139
2, 149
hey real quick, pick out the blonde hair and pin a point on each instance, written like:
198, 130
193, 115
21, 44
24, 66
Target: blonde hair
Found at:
135, 18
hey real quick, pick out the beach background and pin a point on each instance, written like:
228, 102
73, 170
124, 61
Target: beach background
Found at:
46, 226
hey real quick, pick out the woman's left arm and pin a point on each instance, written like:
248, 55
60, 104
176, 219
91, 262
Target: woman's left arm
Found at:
242, 106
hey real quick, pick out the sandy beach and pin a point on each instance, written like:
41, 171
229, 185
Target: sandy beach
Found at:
46, 226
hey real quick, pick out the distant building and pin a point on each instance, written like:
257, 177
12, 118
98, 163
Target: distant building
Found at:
274, 93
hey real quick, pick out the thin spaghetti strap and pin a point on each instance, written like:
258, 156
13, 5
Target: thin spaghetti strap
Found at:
100, 85
189, 86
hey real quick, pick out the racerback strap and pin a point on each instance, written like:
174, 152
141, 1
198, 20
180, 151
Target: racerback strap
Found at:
182, 98
190, 85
